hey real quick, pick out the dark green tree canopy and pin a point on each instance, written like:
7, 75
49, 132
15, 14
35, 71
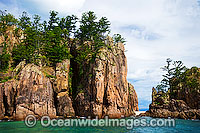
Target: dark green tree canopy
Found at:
118, 38
6, 20
174, 71
52, 39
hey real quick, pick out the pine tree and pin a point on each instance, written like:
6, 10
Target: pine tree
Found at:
7, 20
173, 69
55, 48
118, 38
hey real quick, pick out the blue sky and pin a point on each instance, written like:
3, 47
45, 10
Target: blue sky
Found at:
154, 29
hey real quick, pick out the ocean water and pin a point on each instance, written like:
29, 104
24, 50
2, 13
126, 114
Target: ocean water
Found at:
184, 126
143, 109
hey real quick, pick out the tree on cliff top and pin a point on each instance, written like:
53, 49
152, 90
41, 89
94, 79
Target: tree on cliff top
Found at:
174, 70
25, 50
56, 47
6, 20
52, 39
91, 28
118, 38
91, 34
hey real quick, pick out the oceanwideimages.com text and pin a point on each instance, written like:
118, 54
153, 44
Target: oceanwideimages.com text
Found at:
129, 123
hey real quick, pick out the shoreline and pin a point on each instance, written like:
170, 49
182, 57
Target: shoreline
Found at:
139, 112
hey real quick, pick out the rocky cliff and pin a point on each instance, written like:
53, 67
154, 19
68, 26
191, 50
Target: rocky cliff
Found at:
183, 102
42, 90
106, 91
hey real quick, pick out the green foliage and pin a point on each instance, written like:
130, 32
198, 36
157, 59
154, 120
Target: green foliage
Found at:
37, 30
178, 78
25, 50
24, 21
91, 29
5, 79
55, 47
52, 39
41, 40
91, 35
157, 103
173, 69
6, 20
161, 87
118, 38
68, 27
191, 78
57, 53
88, 27
50, 76
4, 59
22, 52
53, 20
50, 42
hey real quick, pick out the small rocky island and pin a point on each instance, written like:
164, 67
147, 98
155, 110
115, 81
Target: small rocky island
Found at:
182, 97
46, 71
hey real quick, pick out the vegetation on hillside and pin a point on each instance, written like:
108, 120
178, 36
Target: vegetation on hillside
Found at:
49, 42
46, 43
179, 78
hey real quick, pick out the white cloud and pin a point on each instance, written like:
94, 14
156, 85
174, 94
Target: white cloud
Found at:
155, 30
11, 8
62, 6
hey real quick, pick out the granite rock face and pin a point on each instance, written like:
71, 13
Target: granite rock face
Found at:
182, 100
132, 99
34, 93
164, 107
61, 88
7, 93
41, 90
105, 90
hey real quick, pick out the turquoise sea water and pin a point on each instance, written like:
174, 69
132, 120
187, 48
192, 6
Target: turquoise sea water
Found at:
181, 126
143, 109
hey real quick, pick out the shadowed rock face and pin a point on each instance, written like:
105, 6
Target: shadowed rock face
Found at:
105, 90
2, 109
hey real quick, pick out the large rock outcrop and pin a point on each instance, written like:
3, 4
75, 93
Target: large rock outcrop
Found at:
33, 92
163, 106
42, 90
105, 90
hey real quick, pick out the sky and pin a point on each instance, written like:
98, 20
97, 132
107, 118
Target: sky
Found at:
154, 30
